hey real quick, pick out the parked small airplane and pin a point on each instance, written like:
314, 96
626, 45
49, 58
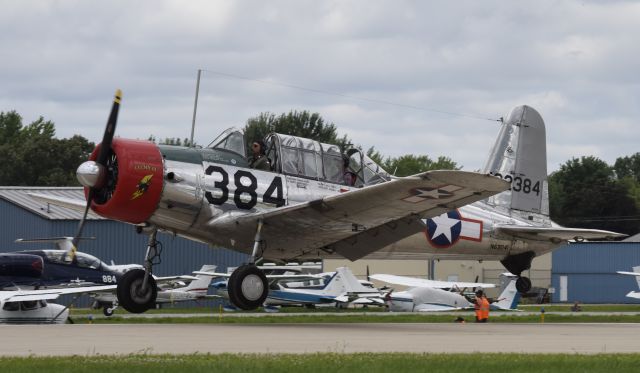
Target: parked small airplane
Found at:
301, 208
30, 306
340, 287
428, 295
168, 292
55, 268
33, 312
636, 273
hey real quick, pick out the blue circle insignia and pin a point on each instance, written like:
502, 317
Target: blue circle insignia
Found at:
446, 228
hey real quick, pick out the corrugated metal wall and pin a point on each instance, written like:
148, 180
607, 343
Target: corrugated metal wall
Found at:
590, 270
114, 241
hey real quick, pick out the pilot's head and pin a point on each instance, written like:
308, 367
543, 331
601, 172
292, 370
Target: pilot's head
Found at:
258, 147
479, 293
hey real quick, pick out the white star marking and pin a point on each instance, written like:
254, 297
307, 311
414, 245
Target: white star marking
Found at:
443, 226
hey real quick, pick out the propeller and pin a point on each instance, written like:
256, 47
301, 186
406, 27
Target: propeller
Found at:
93, 174
368, 278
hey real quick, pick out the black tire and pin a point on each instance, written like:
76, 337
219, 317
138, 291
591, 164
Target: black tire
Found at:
107, 311
523, 284
248, 287
129, 295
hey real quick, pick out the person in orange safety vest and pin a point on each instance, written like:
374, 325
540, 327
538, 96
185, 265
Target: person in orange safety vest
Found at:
481, 307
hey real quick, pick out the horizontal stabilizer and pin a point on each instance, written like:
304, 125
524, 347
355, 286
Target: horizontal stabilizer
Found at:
421, 282
555, 234
634, 294
628, 273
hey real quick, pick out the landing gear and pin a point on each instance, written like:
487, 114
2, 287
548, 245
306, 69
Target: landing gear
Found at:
137, 290
518, 263
107, 311
133, 295
248, 287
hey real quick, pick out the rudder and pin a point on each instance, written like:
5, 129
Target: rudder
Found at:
519, 156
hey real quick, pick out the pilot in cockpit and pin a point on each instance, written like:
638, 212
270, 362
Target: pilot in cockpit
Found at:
348, 175
258, 158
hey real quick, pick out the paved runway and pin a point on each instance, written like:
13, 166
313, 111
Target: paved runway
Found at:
302, 338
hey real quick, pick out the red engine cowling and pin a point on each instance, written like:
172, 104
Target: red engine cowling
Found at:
134, 181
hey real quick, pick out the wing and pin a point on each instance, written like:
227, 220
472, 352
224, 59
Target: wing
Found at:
166, 279
269, 277
628, 273
634, 294
47, 294
358, 222
420, 282
555, 234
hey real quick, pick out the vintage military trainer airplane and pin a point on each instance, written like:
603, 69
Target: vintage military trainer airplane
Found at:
299, 209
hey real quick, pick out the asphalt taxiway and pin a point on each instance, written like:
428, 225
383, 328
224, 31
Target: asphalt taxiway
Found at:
101, 339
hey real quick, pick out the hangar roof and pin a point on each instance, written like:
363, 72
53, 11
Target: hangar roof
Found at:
19, 195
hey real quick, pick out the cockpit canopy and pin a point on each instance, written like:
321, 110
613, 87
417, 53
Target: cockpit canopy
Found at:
302, 157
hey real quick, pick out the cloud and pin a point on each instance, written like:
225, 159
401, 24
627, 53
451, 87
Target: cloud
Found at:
398, 68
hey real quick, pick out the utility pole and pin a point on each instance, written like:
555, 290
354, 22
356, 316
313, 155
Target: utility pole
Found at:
195, 109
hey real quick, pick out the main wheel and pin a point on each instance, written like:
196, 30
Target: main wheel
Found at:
248, 287
130, 294
523, 284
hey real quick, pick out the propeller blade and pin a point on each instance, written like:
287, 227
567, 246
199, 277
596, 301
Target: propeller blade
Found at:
103, 154
368, 279
109, 130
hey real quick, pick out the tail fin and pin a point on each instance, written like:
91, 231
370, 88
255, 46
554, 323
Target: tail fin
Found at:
519, 155
344, 281
509, 298
637, 269
203, 281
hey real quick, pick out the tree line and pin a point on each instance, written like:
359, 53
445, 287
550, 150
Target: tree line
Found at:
584, 192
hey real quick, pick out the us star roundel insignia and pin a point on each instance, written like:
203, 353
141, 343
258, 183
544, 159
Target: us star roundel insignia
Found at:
445, 230
423, 194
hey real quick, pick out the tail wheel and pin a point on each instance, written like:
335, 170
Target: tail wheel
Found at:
132, 297
107, 311
523, 284
248, 287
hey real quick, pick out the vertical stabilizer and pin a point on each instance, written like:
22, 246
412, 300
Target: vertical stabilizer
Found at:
509, 298
519, 156
637, 270
344, 281
203, 281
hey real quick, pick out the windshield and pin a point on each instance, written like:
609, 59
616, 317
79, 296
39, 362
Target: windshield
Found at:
230, 139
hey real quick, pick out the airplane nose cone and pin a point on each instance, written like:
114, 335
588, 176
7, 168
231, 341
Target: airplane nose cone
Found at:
90, 174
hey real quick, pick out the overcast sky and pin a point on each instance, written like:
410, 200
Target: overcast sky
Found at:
576, 62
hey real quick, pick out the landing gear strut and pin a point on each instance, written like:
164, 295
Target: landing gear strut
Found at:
248, 287
518, 263
137, 290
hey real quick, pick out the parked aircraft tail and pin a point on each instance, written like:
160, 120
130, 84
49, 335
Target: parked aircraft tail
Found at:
508, 299
344, 281
203, 281
519, 156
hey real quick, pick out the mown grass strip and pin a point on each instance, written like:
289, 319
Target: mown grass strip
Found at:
329, 362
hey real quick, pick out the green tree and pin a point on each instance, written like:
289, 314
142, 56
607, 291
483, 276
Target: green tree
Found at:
628, 167
586, 193
33, 156
295, 123
407, 165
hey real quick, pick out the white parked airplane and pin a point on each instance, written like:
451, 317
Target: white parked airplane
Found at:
301, 207
340, 287
32, 312
171, 289
636, 273
31, 307
429, 296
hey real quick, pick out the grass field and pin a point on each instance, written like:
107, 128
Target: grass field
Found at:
329, 362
